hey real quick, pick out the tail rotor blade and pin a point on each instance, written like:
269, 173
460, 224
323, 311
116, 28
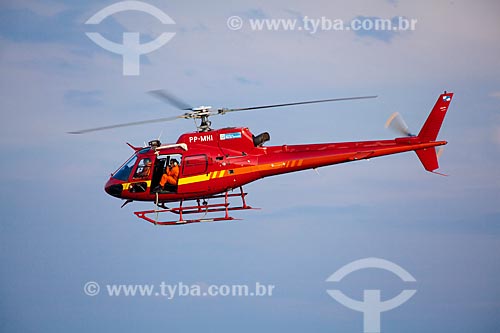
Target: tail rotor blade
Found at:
397, 123
439, 152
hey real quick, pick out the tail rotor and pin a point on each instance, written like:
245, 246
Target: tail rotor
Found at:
398, 124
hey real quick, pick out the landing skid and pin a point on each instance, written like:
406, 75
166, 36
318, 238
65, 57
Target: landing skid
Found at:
202, 207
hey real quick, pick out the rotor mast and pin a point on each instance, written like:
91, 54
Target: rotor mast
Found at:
202, 113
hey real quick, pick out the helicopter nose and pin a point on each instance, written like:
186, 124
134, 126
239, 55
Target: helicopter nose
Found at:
113, 189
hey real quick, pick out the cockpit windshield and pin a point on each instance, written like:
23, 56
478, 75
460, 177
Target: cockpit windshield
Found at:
124, 172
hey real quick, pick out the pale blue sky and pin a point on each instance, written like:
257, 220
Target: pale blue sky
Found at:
60, 229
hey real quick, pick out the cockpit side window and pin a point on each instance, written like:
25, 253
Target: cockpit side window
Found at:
143, 170
196, 164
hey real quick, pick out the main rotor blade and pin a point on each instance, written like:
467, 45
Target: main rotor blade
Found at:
126, 125
297, 103
171, 99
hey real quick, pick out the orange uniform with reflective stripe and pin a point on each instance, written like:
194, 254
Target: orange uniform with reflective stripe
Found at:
170, 176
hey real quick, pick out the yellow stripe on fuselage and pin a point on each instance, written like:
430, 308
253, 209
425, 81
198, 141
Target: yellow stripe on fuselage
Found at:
202, 178
195, 179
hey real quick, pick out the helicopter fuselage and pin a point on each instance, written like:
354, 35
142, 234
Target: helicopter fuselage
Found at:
216, 161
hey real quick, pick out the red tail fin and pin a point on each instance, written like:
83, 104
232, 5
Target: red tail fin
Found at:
430, 130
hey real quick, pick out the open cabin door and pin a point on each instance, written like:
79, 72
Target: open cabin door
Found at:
161, 163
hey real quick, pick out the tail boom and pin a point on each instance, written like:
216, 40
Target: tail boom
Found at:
284, 159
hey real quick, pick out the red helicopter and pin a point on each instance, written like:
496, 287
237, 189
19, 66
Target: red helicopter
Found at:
210, 164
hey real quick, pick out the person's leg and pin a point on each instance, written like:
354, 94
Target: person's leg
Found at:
163, 180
